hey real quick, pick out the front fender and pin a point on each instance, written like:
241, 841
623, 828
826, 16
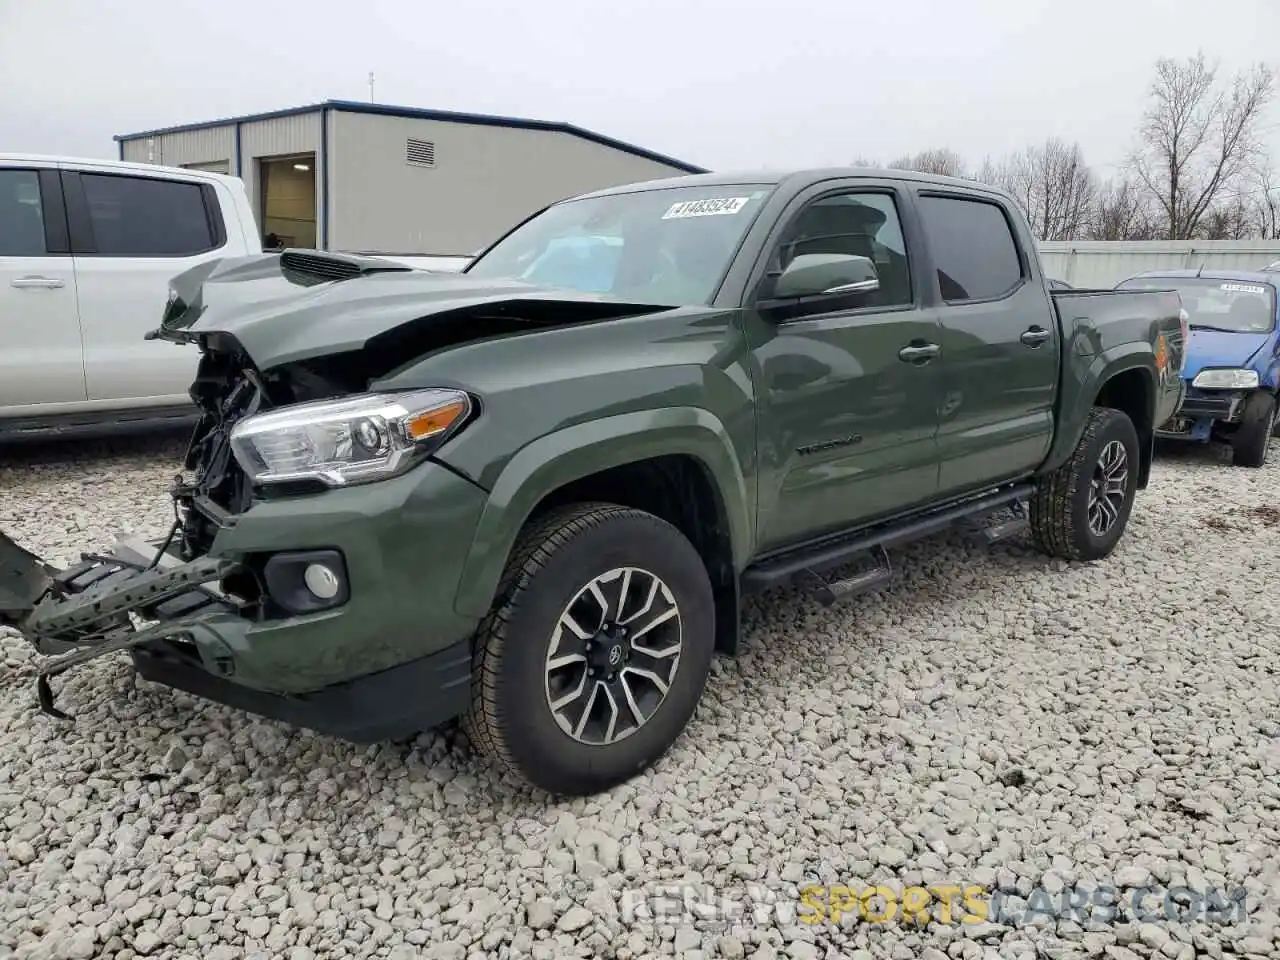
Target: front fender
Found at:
1083, 380
558, 458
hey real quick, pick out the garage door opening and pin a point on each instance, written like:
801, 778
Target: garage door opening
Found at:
288, 195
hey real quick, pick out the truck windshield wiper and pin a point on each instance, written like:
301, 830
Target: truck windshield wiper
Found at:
1209, 326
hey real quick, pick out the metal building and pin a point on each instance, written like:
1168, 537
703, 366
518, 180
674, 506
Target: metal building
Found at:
346, 175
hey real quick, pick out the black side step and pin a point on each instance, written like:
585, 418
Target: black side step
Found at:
988, 533
832, 591
835, 551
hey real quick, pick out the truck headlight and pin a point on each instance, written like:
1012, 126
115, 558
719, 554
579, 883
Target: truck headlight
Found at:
348, 441
1226, 379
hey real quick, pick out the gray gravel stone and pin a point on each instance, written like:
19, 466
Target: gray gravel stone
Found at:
992, 718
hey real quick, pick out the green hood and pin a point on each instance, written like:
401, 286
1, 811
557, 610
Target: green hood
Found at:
297, 305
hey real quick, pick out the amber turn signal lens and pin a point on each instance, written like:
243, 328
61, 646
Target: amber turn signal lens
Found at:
429, 423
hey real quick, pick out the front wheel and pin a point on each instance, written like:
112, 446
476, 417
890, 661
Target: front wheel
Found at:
596, 651
1079, 511
1253, 437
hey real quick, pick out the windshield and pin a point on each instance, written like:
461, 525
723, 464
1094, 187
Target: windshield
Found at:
669, 247
1234, 306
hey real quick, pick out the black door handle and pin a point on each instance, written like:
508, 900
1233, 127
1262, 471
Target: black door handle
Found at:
1035, 336
918, 353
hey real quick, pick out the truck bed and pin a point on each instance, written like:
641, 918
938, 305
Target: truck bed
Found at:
1101, 322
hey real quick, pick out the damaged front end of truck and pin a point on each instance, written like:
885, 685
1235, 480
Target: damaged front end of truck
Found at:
281, 334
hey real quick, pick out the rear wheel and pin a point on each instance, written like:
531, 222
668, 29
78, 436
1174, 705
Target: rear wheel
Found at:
1252, 438
596, 651
1080, 511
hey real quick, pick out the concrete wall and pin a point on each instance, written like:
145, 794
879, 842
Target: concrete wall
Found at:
1103, 264
483, 181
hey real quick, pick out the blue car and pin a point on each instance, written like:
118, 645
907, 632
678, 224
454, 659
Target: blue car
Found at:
1232, 368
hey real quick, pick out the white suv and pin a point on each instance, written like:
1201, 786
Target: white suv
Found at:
87, 248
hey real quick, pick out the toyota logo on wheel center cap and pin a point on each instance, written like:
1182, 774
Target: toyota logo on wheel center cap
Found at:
615, 655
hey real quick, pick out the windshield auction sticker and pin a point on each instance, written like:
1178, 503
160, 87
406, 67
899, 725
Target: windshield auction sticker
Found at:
1242, 288
705, 208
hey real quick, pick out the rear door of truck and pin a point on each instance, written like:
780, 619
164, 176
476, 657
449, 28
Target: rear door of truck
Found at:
1001, 341
130, 233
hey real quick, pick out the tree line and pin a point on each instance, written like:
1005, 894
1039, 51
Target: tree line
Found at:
1198, 168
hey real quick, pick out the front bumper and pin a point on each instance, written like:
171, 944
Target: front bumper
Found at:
393, 657
1203, 410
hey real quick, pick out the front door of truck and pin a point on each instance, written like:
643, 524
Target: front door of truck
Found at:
847, 395
1000, 343
41, 352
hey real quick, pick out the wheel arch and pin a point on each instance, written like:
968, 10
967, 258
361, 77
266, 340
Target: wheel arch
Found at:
677, 463
1132, 392
1124, 382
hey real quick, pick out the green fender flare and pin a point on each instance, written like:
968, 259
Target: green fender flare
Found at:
556, 459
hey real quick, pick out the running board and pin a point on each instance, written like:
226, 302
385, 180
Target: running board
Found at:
810, 559
832, 591
996, 532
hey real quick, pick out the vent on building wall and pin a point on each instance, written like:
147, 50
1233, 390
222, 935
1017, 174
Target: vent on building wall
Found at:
420, 153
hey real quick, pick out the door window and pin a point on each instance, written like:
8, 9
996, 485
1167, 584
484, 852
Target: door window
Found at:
862, 224
21, 215
147, 216
973, 248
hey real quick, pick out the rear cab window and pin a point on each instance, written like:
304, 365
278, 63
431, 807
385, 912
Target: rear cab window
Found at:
135, 216
973, 248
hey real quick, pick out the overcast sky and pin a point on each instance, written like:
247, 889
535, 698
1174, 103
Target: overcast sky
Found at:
740, 84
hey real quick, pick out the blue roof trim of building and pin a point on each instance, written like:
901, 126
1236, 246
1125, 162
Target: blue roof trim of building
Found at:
443, 116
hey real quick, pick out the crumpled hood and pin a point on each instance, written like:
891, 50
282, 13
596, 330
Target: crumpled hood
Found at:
1216, 348
278, 315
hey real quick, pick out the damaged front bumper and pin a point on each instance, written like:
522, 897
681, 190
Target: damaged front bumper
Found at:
88, 610
390, 659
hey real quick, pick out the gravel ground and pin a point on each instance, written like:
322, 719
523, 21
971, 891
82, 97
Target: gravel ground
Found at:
995, 719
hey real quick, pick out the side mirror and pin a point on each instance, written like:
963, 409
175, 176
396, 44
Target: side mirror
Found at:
825, 274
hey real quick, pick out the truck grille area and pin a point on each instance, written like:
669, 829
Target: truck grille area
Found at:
214, 486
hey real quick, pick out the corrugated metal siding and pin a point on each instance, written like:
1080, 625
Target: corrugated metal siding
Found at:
1103, 264
484, 179
191, 146
280, 137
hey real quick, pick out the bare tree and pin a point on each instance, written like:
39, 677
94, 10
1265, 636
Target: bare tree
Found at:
1198, 139
1264, 203
1122, 211
940, 161
1054, 186
994, 173
1230, 220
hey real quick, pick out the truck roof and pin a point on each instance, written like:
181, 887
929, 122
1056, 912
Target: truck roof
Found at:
1245, 276
131, 166
796, 178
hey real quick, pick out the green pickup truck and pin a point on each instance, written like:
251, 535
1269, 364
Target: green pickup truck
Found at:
531, 494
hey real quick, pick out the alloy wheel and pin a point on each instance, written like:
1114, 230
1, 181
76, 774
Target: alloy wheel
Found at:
613, 656
1108, 488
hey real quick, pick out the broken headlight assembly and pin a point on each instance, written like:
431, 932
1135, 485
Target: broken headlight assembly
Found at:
349, 441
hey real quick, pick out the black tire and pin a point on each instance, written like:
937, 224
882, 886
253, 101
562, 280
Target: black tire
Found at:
1061, 505
558, 556
1253, 437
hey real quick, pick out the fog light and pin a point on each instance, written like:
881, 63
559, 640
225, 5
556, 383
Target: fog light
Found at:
307, 581
321, 581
